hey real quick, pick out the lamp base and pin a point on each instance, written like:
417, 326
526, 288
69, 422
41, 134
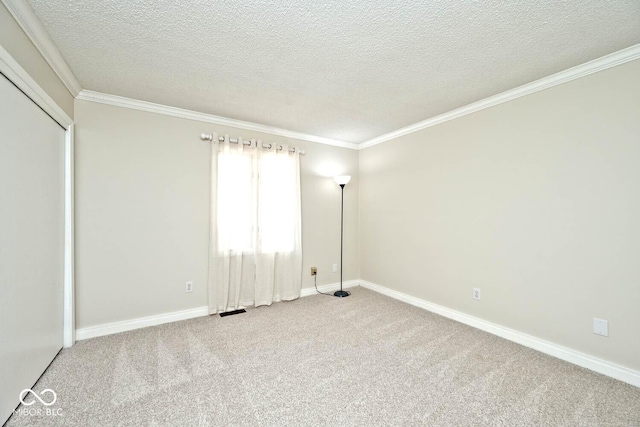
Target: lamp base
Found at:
341, 294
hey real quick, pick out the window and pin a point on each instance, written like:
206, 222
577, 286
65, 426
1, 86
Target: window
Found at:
258, 200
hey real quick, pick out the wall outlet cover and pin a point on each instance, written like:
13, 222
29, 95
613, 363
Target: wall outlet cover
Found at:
188, 287
476, 294
601, 327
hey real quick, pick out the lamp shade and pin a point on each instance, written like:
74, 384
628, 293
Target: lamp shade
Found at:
342, 179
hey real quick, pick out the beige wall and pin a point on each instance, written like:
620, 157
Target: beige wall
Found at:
142, 212
535, 201
16, 42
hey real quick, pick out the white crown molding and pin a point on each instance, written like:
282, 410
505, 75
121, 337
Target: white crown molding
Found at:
31, 25
120, 101
601, 366
608, 61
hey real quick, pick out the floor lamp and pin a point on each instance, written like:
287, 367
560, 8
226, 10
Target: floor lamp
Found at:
341, 180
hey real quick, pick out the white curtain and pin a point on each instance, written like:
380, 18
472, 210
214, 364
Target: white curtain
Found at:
255, 233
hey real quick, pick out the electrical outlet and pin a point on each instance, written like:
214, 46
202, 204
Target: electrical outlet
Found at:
601, 327
314, 271
476, 294
188, 287
335, 267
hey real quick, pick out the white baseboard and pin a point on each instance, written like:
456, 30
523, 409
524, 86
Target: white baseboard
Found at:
331, 287
159, 319
601, 366
141, 322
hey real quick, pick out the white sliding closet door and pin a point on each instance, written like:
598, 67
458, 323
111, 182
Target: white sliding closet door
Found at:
31, 243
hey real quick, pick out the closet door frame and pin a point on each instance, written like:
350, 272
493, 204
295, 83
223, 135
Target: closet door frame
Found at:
19, 77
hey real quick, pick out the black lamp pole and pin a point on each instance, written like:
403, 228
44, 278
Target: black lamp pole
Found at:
341, 293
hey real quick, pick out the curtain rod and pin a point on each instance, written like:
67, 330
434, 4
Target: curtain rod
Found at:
209, 137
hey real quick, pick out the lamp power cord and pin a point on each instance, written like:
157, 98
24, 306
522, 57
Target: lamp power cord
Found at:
315, 283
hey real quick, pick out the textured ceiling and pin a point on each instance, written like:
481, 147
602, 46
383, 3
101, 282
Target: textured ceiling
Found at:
346, 70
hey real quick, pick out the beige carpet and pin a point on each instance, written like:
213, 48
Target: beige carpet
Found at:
363, 360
